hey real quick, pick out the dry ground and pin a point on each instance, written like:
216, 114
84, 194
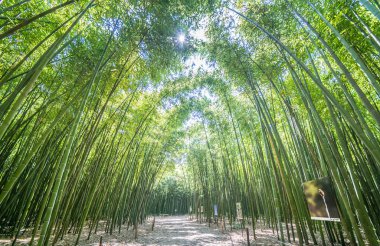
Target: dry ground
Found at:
170, 230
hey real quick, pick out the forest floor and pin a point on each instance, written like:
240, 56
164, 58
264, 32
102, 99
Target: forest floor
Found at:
177, 230
170, 230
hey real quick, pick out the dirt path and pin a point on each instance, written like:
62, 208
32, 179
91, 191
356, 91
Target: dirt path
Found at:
170, 230
181, 231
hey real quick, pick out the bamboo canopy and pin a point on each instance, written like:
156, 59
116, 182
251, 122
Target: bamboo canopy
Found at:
116, 110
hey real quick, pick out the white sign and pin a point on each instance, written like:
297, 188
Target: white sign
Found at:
239, 212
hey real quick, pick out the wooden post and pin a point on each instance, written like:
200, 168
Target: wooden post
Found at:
223, 224
154, 220
101, 239
241, 227
247, 230
135, 230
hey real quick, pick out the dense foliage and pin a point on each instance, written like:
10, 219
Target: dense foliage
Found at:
105, 114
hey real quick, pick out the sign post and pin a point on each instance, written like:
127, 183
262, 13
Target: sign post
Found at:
239, 213
201, 215
216, 214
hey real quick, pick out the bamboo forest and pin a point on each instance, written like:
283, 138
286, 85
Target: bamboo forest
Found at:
189, 122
